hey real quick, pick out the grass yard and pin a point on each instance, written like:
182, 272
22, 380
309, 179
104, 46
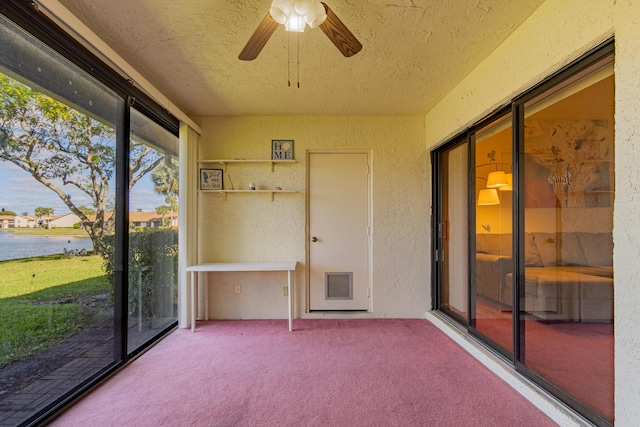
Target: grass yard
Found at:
39, 301
58, 231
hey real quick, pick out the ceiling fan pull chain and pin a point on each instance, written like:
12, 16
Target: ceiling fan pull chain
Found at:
289, 59
298, 59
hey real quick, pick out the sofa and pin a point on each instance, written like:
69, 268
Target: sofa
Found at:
568, 276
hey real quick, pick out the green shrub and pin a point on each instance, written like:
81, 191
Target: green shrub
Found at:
153, 270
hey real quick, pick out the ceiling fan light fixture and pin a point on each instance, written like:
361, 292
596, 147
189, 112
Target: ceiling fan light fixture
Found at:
295, 23
316, 16
302, 7
281, 10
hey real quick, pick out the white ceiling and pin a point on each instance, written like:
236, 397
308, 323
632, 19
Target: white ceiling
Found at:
414, 52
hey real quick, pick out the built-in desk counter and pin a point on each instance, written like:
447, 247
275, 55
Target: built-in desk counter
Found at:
288, 266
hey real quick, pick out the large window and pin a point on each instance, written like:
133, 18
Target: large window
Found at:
88, 222
539, 267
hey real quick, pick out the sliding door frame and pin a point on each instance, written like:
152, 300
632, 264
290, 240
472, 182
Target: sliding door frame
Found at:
25, 14
516, 109
438, 227
586, 61
471, 138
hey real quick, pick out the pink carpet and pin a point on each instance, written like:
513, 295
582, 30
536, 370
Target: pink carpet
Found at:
370, 372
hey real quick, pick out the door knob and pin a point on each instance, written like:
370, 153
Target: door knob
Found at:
314, 239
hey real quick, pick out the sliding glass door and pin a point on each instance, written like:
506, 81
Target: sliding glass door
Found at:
492, 314
452, 231
153, 231
57, 165
566, 282
523, 213
88, 219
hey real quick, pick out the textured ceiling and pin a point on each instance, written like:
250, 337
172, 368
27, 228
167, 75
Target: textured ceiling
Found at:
414, 52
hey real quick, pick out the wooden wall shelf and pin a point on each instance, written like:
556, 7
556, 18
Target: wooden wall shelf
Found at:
225, 192
225, 162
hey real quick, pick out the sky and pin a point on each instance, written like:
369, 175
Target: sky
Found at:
20, 192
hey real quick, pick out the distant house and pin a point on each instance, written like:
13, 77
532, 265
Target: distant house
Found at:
18, 221
7, 221
145, 219
24, 221
150, 219
137, 219
67, 220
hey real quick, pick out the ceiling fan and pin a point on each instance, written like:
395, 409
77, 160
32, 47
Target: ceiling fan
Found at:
295, 15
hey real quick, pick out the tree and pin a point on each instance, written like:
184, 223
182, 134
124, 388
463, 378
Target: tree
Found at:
166, 182
43, 215
4, 211
163, 210
60, 146
43, 212
87, 210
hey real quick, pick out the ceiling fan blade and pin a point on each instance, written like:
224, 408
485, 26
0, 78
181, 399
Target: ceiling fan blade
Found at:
258, 39
339, 34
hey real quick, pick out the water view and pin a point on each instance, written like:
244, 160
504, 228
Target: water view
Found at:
14, 246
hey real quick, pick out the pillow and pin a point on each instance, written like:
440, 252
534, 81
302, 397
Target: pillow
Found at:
488, 244
559, 249
506, 245
571, 250
531, 254
502, 244
546, 243
597, 248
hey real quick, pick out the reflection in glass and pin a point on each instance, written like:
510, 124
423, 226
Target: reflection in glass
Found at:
153, 230
57, 168
493, 315
567, 294
453, 231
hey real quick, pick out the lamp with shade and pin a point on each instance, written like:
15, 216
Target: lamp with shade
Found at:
497, 179
509, 186
488, 197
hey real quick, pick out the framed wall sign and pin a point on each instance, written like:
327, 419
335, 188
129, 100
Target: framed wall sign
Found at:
282, 149
211, 179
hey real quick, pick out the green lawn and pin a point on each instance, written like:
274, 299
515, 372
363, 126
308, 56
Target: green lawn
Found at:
58, 231
39, 301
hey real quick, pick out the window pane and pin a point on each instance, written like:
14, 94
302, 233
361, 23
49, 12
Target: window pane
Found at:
454, 234
153, 230
567, 294
494, 243
57, 164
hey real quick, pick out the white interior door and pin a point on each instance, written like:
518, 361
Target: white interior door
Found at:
339, 231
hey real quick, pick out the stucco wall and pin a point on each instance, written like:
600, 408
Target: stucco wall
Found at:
250, 227
626, 227
557, 33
